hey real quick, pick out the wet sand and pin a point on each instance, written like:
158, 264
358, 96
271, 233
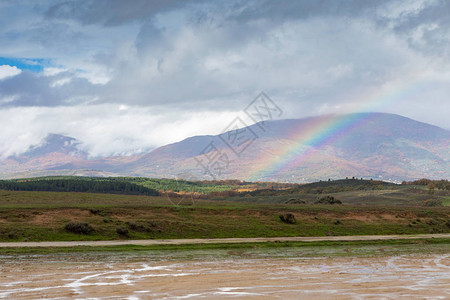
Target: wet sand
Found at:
144, 277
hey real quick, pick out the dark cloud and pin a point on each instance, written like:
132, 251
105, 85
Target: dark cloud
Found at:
31, 89
112, 12
428, 30
286, 9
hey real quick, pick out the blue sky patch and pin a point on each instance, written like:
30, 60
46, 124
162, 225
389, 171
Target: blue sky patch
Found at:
31, 64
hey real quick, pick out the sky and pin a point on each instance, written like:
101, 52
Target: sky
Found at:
127, 76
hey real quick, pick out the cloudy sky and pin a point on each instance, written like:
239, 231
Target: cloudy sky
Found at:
126, 76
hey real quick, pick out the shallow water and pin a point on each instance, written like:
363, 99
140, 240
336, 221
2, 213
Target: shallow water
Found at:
223, 274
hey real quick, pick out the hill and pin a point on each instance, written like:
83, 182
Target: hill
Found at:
369, 145
381, 146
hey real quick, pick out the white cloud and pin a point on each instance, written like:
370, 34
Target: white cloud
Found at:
8, 71
60, 82
7, 99
106, 129
52, 71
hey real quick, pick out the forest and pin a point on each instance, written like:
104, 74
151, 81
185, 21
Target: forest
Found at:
78, 185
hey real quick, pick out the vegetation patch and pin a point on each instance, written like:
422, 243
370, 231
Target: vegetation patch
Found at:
85, 185
328, 200
122, 231
295, 201
288, 218
432, 202
79, 228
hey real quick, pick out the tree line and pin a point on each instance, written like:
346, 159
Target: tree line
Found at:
442, 184
75, 185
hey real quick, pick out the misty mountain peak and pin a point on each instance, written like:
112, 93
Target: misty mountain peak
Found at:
55, 143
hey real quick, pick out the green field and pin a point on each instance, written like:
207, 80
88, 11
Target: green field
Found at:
250, 250
229, 209
39, 216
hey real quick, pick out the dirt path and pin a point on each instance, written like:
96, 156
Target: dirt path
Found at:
221, 241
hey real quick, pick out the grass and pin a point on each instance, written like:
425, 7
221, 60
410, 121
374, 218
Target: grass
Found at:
446, 201
395, 195
42, 216
20, 199
316, 248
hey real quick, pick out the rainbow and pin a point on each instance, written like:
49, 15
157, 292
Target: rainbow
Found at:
326, 130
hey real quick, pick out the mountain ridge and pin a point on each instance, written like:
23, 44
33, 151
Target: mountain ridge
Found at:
382, 146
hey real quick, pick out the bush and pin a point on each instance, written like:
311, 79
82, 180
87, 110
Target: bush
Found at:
288, 218
79, 228
432, 222
432, 202
94, 211
122, 231
295, 201
328, 200
139, 227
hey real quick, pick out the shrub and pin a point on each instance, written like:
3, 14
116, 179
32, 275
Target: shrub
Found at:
122, 231
94, 211
137, 227
288, 218
432, 222
432, 202
295, 201
328, 200
79, 228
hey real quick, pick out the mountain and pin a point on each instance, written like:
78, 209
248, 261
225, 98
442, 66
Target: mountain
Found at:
369, 145
59, 155
53, 151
